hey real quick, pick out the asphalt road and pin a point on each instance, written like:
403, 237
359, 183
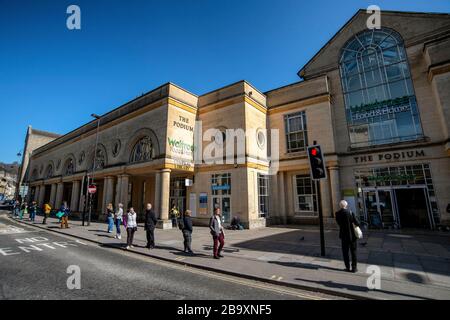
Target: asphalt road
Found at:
34, 263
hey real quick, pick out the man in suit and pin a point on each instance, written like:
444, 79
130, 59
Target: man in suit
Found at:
346, 219
150, 224
215, 226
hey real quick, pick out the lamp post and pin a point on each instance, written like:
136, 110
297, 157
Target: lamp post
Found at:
94, 166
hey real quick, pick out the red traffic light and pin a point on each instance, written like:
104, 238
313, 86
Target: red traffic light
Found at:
314, 151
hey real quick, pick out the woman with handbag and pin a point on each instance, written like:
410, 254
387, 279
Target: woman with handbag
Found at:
118, 220
349, 233
110, 217
131, 227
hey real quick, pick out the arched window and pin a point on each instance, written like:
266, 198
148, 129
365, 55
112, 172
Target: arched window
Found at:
49, 172
100, 160
379, 96
143, 150
69, 167
34, 174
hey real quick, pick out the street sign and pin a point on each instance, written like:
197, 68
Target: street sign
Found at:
317, 162
92, 189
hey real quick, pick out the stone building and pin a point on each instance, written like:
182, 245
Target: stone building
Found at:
376, 100
33, 140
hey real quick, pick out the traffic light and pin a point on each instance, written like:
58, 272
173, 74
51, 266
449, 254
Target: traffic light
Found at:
317, 163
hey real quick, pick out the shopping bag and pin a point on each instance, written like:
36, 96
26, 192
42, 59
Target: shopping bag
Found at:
59, 214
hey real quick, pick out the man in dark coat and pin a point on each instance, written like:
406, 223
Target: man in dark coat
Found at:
187, 231
150, 224
346, 219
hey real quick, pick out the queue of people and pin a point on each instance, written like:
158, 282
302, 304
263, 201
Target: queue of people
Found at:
349, 231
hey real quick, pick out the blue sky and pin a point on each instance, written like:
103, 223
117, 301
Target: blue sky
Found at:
52, 78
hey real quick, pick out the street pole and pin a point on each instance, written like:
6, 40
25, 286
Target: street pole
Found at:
94, 165
319, 208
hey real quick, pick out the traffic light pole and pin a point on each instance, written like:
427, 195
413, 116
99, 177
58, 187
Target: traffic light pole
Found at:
319, 208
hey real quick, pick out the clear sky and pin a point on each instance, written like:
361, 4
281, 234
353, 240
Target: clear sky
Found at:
52, 78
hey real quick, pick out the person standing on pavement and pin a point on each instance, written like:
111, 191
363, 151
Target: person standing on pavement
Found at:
174, 215
47, 210
150, 224
347, 221
186, 227
131, 227
110, 217
216, 228
118, 216
32, 210
16, 208
23, 210
65, 218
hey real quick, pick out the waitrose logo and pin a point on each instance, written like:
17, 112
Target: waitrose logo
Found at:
181, 145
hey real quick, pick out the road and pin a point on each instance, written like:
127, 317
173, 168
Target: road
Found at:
34, 263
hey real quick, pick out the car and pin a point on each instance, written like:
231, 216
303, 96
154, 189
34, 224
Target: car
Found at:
7, 205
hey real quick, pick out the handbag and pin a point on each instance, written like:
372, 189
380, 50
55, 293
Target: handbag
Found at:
59, 214
357, 230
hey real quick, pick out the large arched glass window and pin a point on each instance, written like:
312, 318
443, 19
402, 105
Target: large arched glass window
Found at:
143, 150
379, 97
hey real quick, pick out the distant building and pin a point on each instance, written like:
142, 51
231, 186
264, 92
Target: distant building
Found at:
376, 100
33, 140
8, 180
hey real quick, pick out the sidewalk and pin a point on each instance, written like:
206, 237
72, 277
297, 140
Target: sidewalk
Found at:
414, 265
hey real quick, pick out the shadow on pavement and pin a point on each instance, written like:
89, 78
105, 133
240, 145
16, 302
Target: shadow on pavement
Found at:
350, 287
309, 266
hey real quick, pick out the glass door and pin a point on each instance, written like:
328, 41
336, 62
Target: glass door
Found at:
224, 204
379, 209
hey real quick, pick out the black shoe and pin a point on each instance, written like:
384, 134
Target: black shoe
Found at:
216, 257
190, 252
355, 270
220, 256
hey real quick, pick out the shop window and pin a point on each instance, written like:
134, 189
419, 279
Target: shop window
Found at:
221, 184
178, 193
379, 96
305, 196
296, 134
263, 195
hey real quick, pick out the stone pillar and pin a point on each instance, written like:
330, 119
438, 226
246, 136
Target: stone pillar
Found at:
156, 206
273, 200
335, 188
41, 196
327, 208
53, 195
75, 200
282, 214
124, 182
108, 193
164, 196
59, 195
117, 195
37, 191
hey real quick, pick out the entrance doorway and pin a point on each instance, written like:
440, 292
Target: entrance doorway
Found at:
67, 193
397, 207
379, 208
412, 208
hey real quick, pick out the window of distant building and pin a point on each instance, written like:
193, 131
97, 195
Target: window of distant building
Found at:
296, 134
380, 102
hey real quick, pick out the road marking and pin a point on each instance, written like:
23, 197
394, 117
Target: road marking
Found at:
210, 274
6, 229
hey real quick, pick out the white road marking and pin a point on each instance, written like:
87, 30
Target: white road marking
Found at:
10, 229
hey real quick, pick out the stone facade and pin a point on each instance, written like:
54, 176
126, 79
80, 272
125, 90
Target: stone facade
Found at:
145, 150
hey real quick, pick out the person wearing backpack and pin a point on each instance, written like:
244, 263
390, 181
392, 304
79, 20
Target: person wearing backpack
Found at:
185, 225
347, 222
150, 224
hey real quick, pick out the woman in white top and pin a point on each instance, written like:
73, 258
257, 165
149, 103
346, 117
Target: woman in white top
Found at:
131, 227
118, 220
